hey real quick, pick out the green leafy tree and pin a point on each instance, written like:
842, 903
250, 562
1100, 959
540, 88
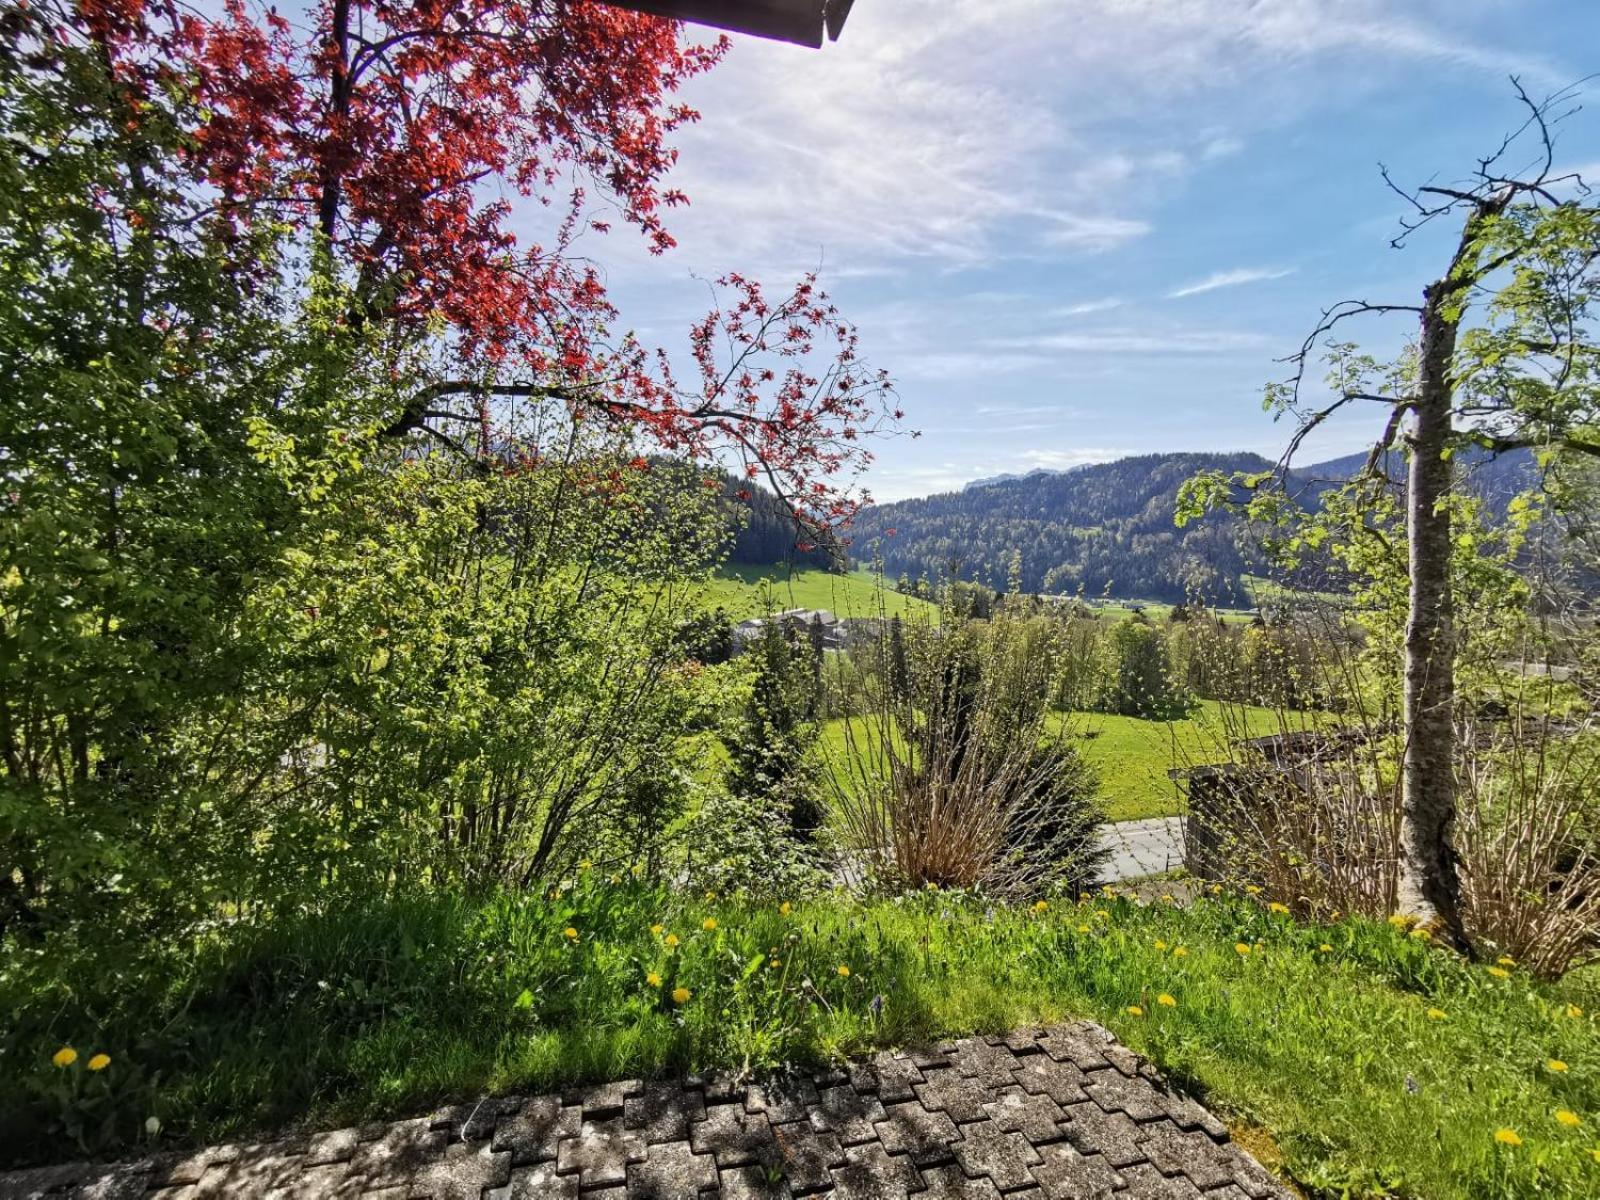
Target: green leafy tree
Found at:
771, 748
1505, 357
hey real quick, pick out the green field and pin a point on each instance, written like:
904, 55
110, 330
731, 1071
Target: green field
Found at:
1134, 756
745, 592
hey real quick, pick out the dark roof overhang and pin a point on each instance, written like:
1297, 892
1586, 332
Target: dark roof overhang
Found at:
800, 21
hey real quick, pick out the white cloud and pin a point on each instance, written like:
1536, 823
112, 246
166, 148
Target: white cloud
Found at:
1225, 279
1087, 307
1142, 341
1060, 460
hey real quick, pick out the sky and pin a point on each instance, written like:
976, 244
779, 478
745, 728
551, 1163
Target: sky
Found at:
1073, 230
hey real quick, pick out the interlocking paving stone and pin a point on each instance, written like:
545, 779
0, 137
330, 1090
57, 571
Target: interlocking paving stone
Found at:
1058, 1114
805, 1156
948, 1183
911, 1129
871, 1173
986, 1149
663, 1114
847, 1114
534, 1130
1067, 1174
1037, 1118
671, 1170
736, 1137
600, 1153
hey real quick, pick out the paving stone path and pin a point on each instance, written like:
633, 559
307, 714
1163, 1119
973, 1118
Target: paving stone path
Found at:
1061, 1113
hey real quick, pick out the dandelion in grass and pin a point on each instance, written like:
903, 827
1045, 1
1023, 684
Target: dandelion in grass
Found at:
1505, 960
671, 941
1040, 906
1507, 1137
1574, 1011
64, 1057
1252, 890
1166, 1001
1499, 973
1325, 948
656, 929
1102, 914
586, 865
571, 933
774, 964
1135, 1011
1437, 1014
710, 896
1595, 1154
844, 971
1422, 933
1083, 929
785, 909
1556, 1066
708, 924
1179, 952
1215, 889
1241, 948
99, 1062
1168, 899
653, 979
1281, 910
680, 995
1569, 1118
1160, 945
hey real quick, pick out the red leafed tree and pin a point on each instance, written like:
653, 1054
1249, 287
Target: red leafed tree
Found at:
392, 138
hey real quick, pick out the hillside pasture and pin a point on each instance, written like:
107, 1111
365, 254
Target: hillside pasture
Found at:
744, 592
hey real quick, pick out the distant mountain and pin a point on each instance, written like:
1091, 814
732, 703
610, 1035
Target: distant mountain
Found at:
1102, 529
1107, 528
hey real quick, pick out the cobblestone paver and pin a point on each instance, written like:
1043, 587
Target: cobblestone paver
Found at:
1036, 1115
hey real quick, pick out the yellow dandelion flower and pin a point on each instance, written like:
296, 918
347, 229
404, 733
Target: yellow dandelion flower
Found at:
64, 1057
1421, 934
653, 979
1253, 890
99, 1062
1241, 948
1574, 1011
708, 924
1135, 1011
1215, 889
844, 971
586, 865
1557, 1066
711, 896
1505, 960
775, 964
1040, 906
1500, 972
680, 995
1102, 914
1160, 945
571, 933
1083, 929
637, 869
1166, 1001
1167, 898
1400, 921
1179, 952
1507, 1137
671, 940
785, 909
1280, 909
1568, 1118
1595, 1154
1325, 948
1437, 1014
656, 929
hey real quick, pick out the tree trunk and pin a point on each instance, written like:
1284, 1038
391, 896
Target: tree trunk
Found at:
1430, 888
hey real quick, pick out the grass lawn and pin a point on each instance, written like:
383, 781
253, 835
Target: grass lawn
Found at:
1133, 756
1360, 1059
757, 591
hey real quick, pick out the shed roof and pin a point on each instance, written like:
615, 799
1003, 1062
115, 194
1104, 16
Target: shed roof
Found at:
800, 21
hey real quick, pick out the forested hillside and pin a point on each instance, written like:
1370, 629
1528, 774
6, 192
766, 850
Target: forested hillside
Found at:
1105, 528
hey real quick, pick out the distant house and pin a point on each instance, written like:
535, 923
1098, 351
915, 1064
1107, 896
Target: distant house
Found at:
837, 634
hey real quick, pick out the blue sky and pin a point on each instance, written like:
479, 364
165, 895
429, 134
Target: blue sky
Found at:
1078, 229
